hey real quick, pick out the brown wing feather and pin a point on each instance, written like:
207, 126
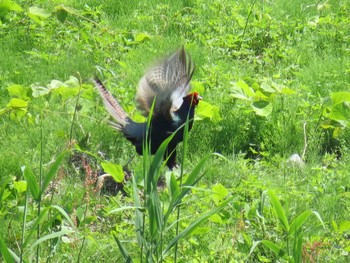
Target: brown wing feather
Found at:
166, 82
112, 106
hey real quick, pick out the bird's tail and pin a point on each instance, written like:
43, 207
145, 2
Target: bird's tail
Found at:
112, 105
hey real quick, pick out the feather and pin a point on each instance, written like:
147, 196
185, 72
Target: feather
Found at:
166, 83
112, 106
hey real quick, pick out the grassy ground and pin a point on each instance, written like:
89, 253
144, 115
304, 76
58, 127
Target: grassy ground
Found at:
275, 77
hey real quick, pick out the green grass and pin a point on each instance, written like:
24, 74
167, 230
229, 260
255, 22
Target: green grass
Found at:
293, 44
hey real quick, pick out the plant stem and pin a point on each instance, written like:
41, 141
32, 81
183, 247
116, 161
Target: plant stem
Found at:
24, 226
75, 111
181, 176
40, 183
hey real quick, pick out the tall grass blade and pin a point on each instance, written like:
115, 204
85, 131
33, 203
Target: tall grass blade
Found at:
32, 183
191, 180
51, 236
274, 248
138, 215
35, 225
42, 217
319, 218
52, 171
278, 210
188, 230
24, 223
122, 249
5, 252
153, 172
155, 214
61, 210
298, 247
298, 222
173, 187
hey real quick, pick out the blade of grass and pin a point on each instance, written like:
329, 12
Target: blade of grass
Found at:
35, 225
33, 185
191, 180
298, 222
138, 215
122, 249
5, 252
278, 210
52, 171
188, 230
274, 248
51, 236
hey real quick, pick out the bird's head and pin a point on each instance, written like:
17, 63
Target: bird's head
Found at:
193, 98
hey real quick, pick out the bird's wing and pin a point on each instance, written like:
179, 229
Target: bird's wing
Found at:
167, 83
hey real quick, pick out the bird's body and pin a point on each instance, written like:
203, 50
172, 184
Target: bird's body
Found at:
168, 84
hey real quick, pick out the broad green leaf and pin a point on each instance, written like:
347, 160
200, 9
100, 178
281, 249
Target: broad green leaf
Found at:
5, 252
278, 210
215, 219
72, 82
18, 91
219, 193
81, 213
115, 170
340, 97
266, 87
8, 5
206, 110
262, 108
52, 171
38, 91
54, 84
241, 90
38, 14
20, 186
344, 226
288, 91
340, 113
67, 92
141, 37
32, 183
298, 222
61, 13
260, 95
16, 103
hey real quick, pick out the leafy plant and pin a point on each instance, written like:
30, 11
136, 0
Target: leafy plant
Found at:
291, 248
152, 215
259, 94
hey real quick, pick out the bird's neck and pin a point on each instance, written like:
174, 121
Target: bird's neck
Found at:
186, 109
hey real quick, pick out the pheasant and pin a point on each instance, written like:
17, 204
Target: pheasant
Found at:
168, 85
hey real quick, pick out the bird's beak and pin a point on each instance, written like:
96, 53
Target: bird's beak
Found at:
199, 97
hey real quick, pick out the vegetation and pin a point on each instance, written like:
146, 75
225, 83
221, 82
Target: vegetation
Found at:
275, 76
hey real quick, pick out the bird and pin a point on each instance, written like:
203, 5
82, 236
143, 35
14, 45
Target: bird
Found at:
165, 87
